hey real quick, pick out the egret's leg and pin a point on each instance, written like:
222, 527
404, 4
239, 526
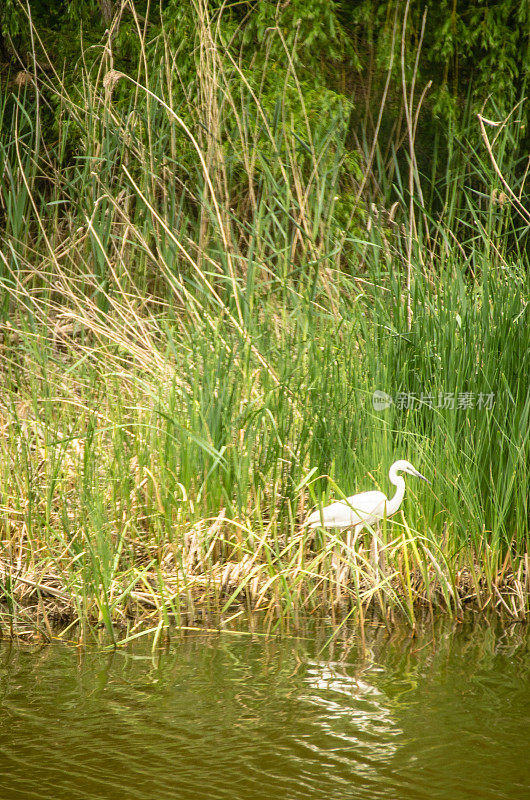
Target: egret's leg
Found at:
377, 552
356, 532
337, 569
344, 570
340, 564
374, 549
352, 536
343, 578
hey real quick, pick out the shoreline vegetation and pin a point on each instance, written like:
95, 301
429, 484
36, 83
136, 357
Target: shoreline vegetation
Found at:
217, 314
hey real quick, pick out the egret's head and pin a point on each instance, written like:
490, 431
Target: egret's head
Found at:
406, 466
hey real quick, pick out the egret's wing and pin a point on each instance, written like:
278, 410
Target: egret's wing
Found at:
337, 515
347, 513
368, 503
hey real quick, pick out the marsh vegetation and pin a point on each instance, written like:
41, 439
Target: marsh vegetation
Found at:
208, 267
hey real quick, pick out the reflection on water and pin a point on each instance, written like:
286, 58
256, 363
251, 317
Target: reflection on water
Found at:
443, 715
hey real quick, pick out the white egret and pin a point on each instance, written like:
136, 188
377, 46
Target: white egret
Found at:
366, 508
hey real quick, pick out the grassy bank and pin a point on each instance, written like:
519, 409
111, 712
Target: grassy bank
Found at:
198, 304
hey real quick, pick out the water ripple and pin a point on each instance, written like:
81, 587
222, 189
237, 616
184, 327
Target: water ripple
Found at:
225, 719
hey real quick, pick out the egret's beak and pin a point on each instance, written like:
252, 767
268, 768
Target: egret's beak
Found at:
419, 475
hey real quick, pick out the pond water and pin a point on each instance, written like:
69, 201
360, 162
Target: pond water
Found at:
443, 715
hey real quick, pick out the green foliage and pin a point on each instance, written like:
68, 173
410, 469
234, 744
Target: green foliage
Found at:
469, 46
308, 34
60, 24
198, 301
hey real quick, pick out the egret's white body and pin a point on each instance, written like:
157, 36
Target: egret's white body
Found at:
366, 508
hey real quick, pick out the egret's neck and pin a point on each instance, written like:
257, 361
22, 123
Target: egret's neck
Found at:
393, 505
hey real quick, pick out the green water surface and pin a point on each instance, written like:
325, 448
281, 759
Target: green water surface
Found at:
443, 715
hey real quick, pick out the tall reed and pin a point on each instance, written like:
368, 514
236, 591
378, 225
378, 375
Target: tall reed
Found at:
193, 330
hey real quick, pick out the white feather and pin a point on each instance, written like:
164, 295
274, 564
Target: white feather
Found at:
366, 508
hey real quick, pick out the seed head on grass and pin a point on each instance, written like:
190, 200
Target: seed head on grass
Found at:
111, 79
